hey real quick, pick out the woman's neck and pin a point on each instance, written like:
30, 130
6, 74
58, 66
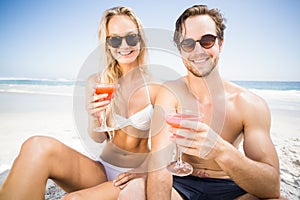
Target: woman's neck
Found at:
125, 68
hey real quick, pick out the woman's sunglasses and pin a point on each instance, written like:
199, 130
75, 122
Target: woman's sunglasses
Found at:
206, 41
116, 41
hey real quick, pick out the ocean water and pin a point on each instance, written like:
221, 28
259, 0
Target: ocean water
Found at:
32, 85
61, 87
281, 95
270, 85
35, 95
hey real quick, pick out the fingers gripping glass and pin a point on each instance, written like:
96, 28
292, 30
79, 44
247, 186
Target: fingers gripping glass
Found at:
180, 167
109, 89
206, 41
116, 41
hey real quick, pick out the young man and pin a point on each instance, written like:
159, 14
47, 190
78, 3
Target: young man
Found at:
230, 113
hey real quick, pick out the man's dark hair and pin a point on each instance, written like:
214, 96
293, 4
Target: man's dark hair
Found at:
195, 10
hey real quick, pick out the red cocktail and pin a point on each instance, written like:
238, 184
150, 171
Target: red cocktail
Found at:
174, 120
179, 167
105, 88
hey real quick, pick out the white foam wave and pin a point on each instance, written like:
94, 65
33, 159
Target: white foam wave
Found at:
33, 92
35, 79
289, 95
58, 90
281, 99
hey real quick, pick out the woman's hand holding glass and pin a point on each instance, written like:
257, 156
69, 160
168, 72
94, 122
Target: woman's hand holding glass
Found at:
98, 104
102, 95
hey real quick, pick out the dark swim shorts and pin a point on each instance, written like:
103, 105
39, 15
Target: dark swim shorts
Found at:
194, 188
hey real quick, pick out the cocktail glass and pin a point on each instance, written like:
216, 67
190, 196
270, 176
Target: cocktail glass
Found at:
180, 167
105, 88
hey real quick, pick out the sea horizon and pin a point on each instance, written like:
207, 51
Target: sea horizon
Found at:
58, 81
62, 79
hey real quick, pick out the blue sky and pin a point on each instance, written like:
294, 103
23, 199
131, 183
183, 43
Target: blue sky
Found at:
52, 38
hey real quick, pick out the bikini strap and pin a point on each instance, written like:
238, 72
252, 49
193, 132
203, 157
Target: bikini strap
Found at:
146, 85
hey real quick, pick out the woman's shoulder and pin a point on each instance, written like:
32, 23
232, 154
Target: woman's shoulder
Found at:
93, 78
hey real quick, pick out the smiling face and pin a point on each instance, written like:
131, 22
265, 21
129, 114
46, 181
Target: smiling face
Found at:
200, 61
122, 25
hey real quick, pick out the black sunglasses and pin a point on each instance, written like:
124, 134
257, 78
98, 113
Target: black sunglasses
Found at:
206, 41
116, 41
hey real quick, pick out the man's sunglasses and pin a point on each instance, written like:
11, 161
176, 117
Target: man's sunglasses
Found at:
116, 41
206, 41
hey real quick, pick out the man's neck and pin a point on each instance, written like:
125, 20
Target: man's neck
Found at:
205, 88
210, 92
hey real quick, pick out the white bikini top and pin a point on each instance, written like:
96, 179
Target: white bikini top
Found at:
140, 120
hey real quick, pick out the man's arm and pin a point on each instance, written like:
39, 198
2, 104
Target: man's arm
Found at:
159, 181
258, 171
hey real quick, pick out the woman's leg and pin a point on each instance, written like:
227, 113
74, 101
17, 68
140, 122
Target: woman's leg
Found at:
41, 158
136, 189
104, 191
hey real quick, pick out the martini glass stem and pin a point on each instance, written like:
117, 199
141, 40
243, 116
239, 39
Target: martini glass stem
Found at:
179, 160
103, 119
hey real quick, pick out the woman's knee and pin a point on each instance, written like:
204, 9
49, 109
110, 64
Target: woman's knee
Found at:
39, 146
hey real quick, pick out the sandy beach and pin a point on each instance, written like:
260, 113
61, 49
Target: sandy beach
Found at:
25, 115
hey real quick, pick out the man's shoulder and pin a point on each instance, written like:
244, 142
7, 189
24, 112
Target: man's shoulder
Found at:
241, 95
175, 82
173, 89
175, 85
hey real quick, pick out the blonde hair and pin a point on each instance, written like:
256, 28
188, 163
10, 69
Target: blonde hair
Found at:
112, 71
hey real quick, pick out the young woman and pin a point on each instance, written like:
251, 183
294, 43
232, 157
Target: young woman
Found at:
129, 112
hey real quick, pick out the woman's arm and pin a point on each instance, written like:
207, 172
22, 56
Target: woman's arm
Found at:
94, 105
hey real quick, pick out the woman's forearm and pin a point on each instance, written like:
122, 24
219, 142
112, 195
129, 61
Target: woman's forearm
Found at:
96, 136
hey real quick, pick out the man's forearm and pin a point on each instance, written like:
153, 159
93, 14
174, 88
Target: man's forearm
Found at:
259, 179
